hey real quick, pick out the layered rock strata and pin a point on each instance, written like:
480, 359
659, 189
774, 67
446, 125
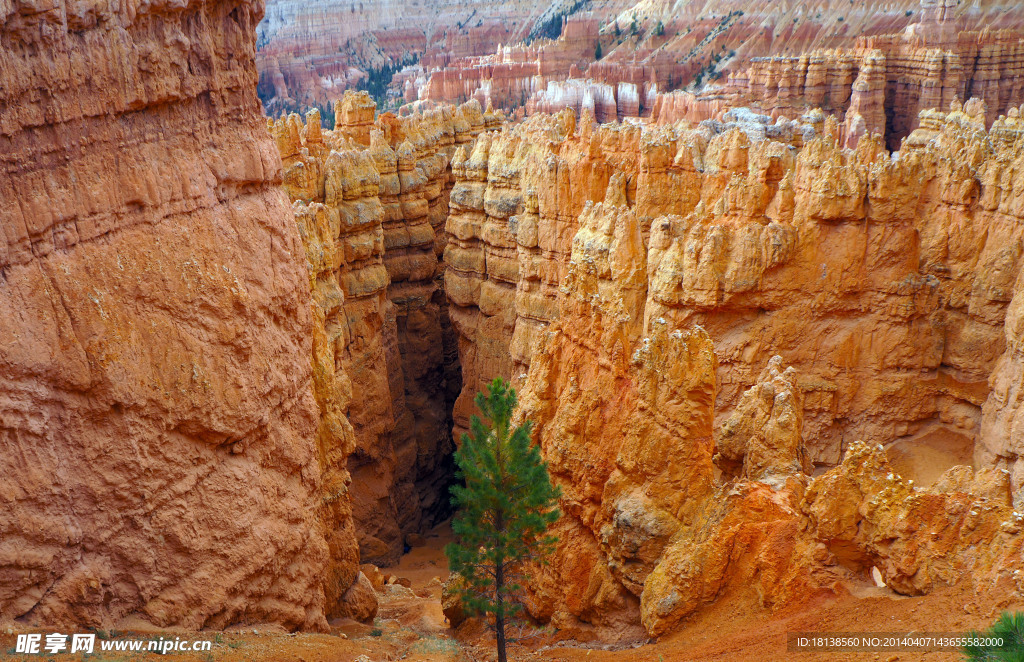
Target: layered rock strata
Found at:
883, 279
623, 388
884, 82
781, 57
161, 460
371, 198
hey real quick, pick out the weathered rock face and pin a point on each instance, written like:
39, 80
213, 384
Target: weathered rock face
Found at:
157, 426
884, 82
639, 282
649, 397
840, 261
193, 427
514, 213
786, 542
1001, 441
648, 535
371, 200
868, 515
762, 436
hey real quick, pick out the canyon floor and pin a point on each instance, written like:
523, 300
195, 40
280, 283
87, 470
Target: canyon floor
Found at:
411, 626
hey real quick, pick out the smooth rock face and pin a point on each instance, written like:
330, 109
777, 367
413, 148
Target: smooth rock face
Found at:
158, 446
371, 199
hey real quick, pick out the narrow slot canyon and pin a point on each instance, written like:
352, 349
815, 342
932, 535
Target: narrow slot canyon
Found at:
371, 200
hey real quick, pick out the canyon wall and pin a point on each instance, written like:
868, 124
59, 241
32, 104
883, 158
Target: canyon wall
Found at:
884, 82
159, 432
371, 199
213, 405
733, 309
636, 282
883, 279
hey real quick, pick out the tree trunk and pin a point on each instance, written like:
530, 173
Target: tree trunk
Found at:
500, 624
499, 616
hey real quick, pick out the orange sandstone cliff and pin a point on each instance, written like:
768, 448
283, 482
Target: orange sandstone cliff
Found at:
697, 316
164, 458
859, 267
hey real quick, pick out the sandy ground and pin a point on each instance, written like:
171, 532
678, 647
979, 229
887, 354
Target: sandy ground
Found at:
411, 626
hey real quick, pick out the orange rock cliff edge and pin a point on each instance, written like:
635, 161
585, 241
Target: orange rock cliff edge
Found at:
164, 458
698, 316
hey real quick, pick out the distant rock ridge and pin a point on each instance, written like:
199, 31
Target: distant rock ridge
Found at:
885, 81
310, 51
875, 65
885, 63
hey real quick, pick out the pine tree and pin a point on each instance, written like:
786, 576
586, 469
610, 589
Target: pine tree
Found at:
1009, 631
504, 509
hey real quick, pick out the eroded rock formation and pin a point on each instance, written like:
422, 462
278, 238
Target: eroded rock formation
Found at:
371, 199
158, 431
640, 282
882, 63
762, 436
745, 235
884, 82
962, 526
196, 431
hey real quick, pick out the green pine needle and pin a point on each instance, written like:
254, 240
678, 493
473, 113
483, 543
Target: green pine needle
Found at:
504, 506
